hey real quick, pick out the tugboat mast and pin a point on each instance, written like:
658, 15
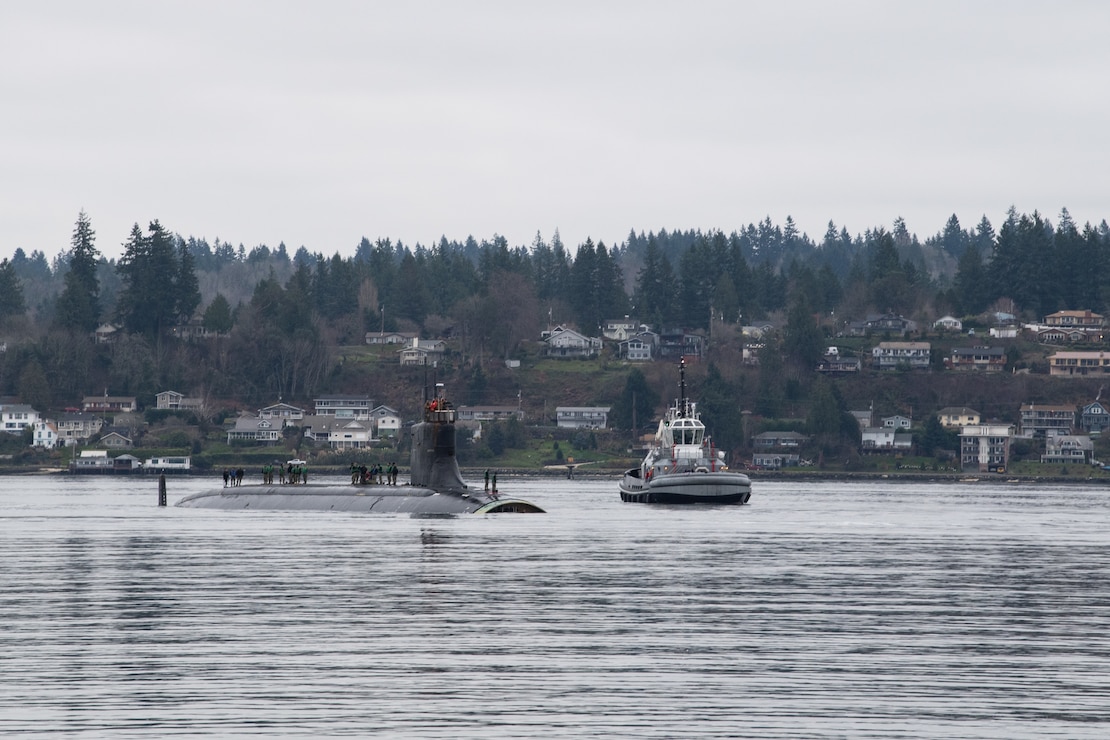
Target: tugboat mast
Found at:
683, 408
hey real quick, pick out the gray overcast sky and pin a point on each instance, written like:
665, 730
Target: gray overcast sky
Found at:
319, 123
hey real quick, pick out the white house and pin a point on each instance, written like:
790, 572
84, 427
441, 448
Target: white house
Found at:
344, 407
252, 429
15, 417
173, 463
390, 337
46, 434
109, 404
948, 323
985, 447
386, 421
891, 355
423, 352
957, 417
1068, 448
619, 330
92, 460
489, 413
885, 438
287, 414
338, 432
563, 342
640, 347
582, 417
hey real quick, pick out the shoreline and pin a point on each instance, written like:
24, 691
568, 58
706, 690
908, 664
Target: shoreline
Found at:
477, 474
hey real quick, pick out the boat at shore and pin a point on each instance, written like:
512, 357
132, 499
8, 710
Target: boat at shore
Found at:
682, 466
435, 486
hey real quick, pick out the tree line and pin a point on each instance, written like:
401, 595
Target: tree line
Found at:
278, 318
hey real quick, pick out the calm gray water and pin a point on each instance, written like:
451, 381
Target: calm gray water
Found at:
820, 610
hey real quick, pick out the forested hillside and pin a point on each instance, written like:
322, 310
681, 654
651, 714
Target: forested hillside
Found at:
278, 324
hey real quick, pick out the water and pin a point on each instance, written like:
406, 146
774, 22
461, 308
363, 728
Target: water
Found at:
820, 610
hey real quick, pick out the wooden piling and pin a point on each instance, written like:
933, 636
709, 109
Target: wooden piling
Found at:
162, 489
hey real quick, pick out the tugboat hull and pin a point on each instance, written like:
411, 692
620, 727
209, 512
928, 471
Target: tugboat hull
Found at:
686, 488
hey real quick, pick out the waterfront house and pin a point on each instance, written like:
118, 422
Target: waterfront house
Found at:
1044, 419
338, 432
1094, 418
344, 407
1068, 448
775, 460
286, 414
985, 448
254, 430
386, 422
45, 435
875, 439
769, 440
15, 417
76, 427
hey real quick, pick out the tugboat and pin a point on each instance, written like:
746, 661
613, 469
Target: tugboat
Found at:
682, 466
435, 488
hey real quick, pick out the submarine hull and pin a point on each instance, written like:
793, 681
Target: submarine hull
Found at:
370, 499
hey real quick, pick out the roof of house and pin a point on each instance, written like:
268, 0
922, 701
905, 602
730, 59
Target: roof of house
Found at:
957, 411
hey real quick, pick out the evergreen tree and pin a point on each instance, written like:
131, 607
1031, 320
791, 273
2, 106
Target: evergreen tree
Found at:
824, 418
609, 282
655, 295
720, 409
969, 285
149, 270
584, 289
802, 340
889, 284
217, 317
698, 279
954, 240
187, 288
11, 292
414, 300
637, 402
78, 306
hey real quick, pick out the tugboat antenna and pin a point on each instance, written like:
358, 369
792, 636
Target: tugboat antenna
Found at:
682, 386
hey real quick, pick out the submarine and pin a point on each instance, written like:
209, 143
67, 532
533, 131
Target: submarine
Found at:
435, 486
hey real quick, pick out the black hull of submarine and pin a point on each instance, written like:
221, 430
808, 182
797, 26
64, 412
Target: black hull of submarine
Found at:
369, 499
436, 486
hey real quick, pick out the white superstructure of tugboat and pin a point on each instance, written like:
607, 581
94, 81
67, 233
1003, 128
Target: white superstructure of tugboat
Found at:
682, 466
